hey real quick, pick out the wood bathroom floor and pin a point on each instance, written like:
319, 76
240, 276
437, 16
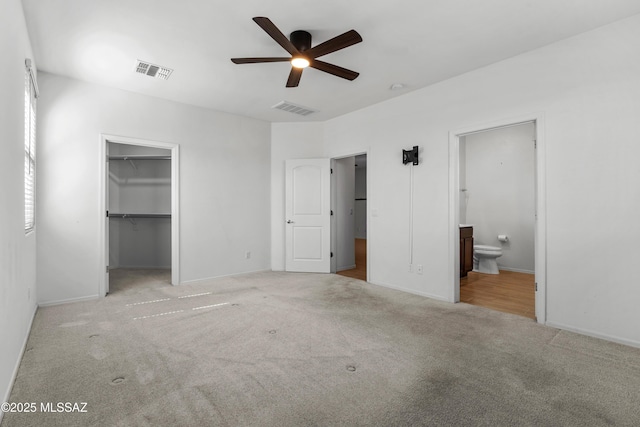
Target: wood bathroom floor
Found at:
509, 292
360, 272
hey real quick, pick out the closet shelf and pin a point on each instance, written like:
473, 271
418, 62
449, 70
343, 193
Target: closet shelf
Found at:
137, 215
139, 157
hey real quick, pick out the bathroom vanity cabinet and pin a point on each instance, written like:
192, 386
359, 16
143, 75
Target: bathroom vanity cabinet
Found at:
466, 250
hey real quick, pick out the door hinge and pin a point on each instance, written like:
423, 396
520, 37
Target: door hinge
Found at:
107, 214
536, 286
535, 143
331, 170
107, 268
331, 254
331, 212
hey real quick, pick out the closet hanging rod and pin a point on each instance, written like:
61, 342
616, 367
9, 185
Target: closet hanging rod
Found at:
139, 157
126, 215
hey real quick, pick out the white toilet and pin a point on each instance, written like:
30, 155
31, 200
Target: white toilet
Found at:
485, 259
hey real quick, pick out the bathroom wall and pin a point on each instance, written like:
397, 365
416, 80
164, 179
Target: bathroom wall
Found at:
345, 172
500, 197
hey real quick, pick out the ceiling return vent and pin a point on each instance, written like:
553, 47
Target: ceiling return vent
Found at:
293, 108
153, 70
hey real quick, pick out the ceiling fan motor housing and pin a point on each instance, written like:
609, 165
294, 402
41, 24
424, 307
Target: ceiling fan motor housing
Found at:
301, 40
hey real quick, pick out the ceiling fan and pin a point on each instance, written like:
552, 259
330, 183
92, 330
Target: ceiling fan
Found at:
302, 54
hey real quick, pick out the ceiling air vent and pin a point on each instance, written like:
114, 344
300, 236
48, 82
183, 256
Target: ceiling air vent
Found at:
153, 70
293, 108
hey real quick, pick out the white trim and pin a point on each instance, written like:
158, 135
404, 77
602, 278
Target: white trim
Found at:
14, 374
32, 75
454, 217
175, 202
346, 267
334, 218
141, 267
515, 270
203, 281
67, 301
587, 332
540, 229
410, 291
540, 242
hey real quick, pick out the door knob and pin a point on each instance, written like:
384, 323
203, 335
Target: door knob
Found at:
289, 221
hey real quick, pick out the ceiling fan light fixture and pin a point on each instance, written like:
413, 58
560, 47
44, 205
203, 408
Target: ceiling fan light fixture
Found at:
298, 45
300, 62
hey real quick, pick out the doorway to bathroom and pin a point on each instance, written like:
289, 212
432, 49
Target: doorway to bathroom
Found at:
349, 219
498, 232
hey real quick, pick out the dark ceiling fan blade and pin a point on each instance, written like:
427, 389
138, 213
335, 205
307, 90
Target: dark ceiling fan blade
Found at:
257, 60
294, 77
347, 39
270, 28
334, 69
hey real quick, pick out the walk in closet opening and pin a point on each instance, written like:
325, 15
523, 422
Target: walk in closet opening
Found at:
139, 205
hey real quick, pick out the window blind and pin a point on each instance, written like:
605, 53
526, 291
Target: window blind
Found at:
30, 96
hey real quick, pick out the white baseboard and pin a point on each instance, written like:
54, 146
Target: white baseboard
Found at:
66, 301
140, 267
410, 291
7, 394
606, 337
198, 281
347, 267
515, 270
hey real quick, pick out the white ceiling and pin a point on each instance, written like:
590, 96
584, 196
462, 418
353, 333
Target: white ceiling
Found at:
413, 42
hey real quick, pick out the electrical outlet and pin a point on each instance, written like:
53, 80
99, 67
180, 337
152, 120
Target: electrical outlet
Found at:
419, 269
247, 255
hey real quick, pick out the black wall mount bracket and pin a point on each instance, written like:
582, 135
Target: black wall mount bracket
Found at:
410, 156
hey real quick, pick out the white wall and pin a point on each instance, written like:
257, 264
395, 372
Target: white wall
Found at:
224, 179
17, 251
288, 141
344, 171
588, 90
499, 179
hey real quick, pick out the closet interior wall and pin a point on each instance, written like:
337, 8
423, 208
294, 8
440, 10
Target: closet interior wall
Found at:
139, 187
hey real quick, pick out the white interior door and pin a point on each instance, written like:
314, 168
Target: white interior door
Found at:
308, 215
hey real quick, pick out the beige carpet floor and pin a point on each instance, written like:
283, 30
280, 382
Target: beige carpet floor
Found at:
279, 349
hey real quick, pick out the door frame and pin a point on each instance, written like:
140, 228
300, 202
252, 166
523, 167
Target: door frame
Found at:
175, 204
334, 228
540, 241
